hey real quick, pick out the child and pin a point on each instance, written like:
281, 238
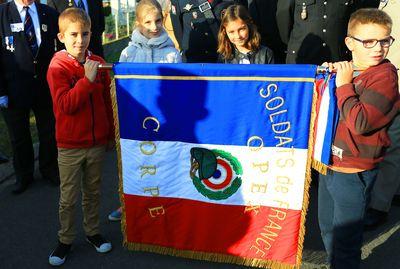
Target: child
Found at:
149, 44
367, 104
84, 128
238, 39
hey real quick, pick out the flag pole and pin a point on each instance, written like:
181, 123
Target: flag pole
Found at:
320, 69
105, 66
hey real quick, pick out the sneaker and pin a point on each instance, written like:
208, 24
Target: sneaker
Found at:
115, 215
99, 243
57, 257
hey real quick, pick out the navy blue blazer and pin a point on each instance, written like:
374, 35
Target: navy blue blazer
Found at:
22, 74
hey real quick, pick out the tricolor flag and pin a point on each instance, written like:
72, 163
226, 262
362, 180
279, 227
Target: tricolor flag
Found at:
327, 117
214, 160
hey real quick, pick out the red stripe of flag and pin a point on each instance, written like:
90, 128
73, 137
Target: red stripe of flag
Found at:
269, 233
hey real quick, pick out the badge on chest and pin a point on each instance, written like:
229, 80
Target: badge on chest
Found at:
17, 27
9, 40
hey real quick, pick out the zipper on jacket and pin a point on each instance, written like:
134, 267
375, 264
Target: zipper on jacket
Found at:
91, 105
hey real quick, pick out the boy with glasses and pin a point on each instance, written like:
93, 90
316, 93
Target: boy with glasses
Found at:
368, 99
387, 184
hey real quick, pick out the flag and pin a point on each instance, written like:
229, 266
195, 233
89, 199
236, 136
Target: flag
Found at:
214, 160
327, 117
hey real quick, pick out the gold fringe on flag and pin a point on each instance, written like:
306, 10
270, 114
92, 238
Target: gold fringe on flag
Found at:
319, 166
306, 195
119, 160
207, 256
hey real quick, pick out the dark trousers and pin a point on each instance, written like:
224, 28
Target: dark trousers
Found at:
17, 120
342, 203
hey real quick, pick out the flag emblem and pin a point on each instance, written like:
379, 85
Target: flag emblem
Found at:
216, 174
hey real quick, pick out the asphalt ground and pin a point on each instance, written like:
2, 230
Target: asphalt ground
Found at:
29, 225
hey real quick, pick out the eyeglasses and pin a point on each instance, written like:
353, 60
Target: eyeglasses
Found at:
370, 43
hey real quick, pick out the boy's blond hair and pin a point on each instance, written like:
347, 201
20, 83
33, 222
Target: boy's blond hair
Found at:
369, 16
147, 6
73, 15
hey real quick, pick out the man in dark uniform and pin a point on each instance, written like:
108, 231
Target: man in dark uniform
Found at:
28, 35
196, 25
314, 30
95, 10
263, 13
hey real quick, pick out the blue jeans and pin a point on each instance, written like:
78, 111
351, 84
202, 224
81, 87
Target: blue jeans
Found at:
342, 203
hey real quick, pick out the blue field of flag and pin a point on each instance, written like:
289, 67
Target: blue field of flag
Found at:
215, 104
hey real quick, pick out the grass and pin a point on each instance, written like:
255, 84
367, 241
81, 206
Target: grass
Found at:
112, 52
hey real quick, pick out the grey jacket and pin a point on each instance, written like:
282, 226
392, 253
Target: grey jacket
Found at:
155, 50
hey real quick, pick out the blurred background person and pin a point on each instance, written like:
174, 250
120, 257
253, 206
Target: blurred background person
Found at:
387, 185
95, 10
314, 31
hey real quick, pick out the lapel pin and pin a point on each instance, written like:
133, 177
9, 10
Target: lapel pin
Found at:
303, 13
173, 9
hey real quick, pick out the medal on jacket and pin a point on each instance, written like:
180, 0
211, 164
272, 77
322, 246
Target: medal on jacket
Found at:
303, 14
188, 7
10, 43
173, 9
70, 4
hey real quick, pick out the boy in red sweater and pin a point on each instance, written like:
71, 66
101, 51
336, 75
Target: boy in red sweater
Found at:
84, 128
367, 101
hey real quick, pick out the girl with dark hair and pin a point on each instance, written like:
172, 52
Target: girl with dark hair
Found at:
239, 40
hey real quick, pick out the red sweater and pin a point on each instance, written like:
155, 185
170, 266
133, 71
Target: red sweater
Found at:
82, 109
366, 106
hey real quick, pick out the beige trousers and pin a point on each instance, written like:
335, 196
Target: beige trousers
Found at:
80, 170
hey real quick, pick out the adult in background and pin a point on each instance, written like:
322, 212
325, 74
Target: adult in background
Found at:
166, 8
388, 180
95, 10
196, 25
28, 33
263, 13
314, 30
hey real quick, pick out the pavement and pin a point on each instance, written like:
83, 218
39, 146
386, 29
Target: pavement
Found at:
29, 224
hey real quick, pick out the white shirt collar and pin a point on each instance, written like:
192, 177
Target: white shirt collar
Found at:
20, 8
